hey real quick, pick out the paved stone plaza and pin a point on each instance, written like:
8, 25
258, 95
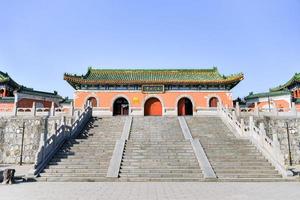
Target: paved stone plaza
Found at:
140, 191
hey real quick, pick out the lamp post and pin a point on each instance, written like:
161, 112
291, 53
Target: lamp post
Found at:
22, 142
289, 143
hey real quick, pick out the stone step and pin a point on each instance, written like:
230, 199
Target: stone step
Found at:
170, 170
97, 143
163, 175
248, 171
74, 179
224, 145
89, 146
91, 166
160, 151
82, 157
226, 156
73, 174
148, 179
67, 170
78, 163
239, 163
245, 167
226, 175
157, 147
230, 157
152, 142
79, 153
175, 158
161, 165
233, 160
158, 167
230, 151
63, 160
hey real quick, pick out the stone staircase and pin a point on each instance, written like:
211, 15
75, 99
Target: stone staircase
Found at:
87, 157
231, 158
157, 151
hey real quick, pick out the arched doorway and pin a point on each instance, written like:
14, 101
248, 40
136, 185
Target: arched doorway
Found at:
120, 107
184, 107
153, 107
213, 102
93, 101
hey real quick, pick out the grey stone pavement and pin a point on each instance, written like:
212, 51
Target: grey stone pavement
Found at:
140, 191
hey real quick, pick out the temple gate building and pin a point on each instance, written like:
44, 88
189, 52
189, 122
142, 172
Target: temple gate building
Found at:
152, 92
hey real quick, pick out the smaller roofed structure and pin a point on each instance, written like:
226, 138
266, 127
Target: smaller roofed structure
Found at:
282, 96
13, 93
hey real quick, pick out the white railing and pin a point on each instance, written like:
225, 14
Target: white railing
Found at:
51, 145
257, 135
275, 112
206, 111
34, 111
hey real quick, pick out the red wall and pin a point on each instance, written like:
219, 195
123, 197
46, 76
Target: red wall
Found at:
27, 103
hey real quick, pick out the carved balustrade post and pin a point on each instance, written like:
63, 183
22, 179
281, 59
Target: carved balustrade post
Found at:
52, 110
72, 109
15, 109
243, 126
262, 133
237, 109
33, 111
256, 110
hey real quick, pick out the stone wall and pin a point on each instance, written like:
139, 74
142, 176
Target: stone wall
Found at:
35, 128
278, 125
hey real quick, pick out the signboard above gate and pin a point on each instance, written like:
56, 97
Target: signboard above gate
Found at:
153, 89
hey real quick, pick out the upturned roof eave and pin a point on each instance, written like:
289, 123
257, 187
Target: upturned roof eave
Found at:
75, 80
293, 80
267, 94
90, 78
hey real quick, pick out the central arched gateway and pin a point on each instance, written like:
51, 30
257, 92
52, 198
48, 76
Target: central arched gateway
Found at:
121, 107
153, 107
184, 107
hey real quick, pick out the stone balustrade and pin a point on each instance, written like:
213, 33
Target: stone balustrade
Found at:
256, 111
35, 111
270, 148
49, 146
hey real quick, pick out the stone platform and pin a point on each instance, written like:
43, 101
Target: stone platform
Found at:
150, 191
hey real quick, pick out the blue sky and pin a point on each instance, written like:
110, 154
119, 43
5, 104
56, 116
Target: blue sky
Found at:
40, 40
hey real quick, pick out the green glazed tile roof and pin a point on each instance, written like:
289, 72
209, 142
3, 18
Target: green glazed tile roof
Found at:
67, 101
293, 80
267, 94
6, 79
30, 91
153, 76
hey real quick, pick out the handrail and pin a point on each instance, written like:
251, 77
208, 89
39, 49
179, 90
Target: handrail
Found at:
257, 135
50, 146
116, 159
292, 111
